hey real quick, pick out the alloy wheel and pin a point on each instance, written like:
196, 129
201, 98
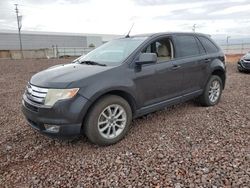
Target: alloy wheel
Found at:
214, 91
112, 121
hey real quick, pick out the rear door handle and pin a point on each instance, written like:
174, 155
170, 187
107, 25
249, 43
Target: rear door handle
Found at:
175, 67
207, 60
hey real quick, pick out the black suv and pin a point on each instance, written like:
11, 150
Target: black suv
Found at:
99, 94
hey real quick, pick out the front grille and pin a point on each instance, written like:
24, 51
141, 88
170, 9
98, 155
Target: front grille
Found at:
36, 94
33, 108
246, 65
246, 62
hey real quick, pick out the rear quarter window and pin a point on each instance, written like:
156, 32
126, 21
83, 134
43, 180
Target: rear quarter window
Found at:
208, 45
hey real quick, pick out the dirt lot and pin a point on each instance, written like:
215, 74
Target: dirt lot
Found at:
232, 58
182, 146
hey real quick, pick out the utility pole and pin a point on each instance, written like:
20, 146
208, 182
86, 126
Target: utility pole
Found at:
194, 27
228, 37
19, 25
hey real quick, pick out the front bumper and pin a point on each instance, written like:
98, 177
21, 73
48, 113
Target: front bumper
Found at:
243, 66
66, 114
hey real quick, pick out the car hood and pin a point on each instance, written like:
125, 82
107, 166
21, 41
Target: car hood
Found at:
247, 56
61, 76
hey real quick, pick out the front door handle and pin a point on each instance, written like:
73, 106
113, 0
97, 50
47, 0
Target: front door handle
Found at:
175, 67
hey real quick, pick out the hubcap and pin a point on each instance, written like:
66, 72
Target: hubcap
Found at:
214, 91
112, 121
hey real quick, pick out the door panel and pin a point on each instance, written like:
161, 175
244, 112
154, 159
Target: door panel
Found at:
161, 81
157, 83
169, 79
193, 70
190, 57
145, 85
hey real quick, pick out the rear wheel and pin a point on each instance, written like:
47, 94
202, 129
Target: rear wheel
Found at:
108, 120
212, 92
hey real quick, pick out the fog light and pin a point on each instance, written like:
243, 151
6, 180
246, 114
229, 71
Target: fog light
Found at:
52, 128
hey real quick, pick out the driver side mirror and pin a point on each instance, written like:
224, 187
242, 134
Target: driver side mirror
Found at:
146, 58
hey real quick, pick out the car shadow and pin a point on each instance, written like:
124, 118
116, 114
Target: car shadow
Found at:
82, 140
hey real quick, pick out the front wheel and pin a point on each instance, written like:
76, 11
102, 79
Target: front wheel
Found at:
108, 120
212, 92
240, 69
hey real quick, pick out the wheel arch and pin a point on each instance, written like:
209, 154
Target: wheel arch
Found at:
121, 93
221, 73
218, 68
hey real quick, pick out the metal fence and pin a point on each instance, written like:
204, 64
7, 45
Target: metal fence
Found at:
78, 51
70, 51
236, 48
54, 52
61, 52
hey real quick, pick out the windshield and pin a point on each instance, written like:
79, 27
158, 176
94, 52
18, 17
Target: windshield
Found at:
112, 53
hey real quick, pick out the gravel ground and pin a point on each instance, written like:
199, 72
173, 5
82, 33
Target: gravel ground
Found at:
182, 146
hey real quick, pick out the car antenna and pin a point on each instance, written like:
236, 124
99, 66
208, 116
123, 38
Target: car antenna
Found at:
127, 36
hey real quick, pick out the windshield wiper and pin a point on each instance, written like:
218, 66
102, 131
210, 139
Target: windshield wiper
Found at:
91, 63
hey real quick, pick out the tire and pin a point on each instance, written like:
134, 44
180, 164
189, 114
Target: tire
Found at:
102, 130
240, 69
206, 99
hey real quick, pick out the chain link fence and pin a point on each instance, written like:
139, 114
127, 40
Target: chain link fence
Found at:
64, 52
236, 48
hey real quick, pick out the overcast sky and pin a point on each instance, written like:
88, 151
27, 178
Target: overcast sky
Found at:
230, 17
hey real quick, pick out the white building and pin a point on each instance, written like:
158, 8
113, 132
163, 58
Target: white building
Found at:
32, 40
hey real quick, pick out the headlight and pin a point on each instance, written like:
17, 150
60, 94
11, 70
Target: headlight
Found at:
54, 95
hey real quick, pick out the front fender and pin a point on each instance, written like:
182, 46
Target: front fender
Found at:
121, 89
96, 95
116, 81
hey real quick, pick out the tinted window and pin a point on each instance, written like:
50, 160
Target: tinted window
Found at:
201, 48
208, 45
187, 46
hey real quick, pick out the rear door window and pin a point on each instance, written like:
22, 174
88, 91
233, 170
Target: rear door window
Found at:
187, 46
208, 45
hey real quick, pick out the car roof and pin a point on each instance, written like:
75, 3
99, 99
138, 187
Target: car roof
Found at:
168, 33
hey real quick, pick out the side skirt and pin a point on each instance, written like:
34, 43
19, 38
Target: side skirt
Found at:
163, 104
